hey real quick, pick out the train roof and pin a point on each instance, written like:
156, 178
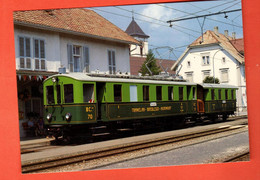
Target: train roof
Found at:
123, 78
137, 79
207, 86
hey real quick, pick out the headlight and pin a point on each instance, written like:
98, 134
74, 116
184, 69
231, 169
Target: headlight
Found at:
68, 116
49, 116
55, 79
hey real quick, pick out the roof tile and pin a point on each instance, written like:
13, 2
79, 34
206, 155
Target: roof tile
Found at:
74, 20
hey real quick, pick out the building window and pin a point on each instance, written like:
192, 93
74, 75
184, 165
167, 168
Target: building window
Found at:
224, 75
205, 60
189, 76
78, 58
223, 60
25, 52
188, 63
205, 73
111, 62
39, 54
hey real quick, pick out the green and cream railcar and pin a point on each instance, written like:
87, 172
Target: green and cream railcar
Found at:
79, 100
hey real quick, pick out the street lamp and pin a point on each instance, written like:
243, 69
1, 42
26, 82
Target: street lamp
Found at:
213, 64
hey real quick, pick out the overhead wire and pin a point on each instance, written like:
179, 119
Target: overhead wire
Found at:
147, 22
211, 12
175, 48
195, 13
154, 18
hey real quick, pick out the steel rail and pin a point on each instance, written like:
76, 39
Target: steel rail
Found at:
28, 167
239, 157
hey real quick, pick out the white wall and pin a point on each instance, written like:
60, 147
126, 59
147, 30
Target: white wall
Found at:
197, 67
135, 49
98, 54
51, 47
56, 50
236, 71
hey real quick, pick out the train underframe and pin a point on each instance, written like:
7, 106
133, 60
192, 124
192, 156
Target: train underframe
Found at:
87, 131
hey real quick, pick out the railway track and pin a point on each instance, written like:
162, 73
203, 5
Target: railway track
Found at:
239, 157
54, 162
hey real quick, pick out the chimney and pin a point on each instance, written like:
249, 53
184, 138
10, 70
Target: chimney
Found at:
226, 33
216, 29
233, 35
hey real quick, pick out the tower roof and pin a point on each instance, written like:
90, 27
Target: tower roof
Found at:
134, 30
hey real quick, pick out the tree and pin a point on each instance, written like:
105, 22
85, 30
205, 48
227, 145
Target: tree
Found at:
151, 64
210, 79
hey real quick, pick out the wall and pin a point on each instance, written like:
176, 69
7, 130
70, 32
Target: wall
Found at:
236, 71
56, 50
51, 46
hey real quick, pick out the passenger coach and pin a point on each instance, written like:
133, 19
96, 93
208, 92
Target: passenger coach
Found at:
75, 103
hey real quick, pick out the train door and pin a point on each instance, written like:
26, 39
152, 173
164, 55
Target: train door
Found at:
200, 99
100, 96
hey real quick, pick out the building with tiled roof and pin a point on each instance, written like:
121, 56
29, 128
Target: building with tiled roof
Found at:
134, 30
138, 52
65, 40
217, 55
137, 62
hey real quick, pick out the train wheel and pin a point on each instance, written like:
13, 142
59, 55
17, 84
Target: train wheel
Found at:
224, 117
214, 118
179, 123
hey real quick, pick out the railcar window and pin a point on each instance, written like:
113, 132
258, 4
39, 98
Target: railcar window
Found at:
68, 93
117, 93
212, 94
219, 94
50, 94
180, 93
133, 93
206, 92
146, 93
170, 93
194, 93
88, 93
226, 94
58, 94
159, 93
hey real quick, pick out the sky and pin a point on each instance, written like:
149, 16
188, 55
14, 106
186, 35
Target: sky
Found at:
170, 42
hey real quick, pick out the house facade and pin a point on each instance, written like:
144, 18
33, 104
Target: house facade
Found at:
65, 40
216, 55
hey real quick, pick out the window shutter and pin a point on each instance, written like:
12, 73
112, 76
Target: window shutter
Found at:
70, 57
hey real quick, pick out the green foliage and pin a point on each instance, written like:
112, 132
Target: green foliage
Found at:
151, 63
210, 79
